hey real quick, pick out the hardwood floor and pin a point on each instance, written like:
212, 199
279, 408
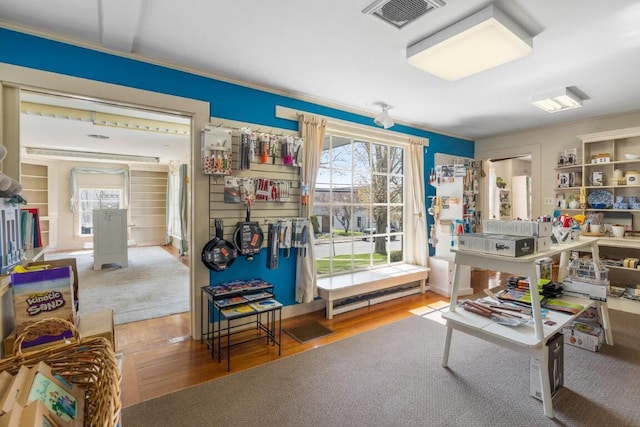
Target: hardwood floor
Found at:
159, 356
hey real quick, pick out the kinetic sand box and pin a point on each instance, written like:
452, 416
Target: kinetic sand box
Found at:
42, 294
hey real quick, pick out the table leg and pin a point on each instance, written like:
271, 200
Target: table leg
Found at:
603, 312
447, 345
228, 346
547, 404
329, 309
279, 331
202, 317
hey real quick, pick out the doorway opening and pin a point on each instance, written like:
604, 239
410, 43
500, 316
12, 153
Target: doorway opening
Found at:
127, 150
510, 188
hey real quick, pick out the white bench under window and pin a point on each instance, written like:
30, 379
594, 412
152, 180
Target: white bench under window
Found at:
335, 288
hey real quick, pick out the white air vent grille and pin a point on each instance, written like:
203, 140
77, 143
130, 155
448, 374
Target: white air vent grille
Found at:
401, 12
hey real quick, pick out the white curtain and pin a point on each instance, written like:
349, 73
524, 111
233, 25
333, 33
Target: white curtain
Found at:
312, 130
418, 251
77, 170
183, 191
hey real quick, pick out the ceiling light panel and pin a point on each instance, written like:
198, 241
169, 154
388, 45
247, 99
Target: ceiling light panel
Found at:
479, 42
401, 12
557, 100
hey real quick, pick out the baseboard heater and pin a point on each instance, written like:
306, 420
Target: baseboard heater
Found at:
370, 299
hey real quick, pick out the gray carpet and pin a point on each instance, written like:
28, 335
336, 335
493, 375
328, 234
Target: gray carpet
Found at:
392, 376
154, 284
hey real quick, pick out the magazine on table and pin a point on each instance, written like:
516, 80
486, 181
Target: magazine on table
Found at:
230, 301
265, 305
261, 295
236, 310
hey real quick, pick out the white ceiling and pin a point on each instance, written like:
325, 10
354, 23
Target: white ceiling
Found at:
331, 51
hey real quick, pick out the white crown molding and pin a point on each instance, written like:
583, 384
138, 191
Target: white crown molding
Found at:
226, 79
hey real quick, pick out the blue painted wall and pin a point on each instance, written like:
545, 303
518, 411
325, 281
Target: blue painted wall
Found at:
227, 100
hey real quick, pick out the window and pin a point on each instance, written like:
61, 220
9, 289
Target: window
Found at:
95, 198
358, 205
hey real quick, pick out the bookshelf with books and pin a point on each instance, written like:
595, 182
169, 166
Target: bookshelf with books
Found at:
35, 190
30, 231
237, 312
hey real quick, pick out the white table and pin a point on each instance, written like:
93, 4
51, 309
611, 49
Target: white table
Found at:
526, 339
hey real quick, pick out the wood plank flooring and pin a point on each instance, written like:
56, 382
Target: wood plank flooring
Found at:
159, 356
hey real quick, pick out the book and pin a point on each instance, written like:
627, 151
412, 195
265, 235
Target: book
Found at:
265, 305
517, 296
30, 228
261, 295
236, 310
230, 301
562, 306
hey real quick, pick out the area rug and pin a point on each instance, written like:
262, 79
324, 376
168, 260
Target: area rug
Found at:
392, 376
307, 331
154, 284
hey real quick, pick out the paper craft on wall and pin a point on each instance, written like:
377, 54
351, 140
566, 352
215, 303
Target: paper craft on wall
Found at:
216, 151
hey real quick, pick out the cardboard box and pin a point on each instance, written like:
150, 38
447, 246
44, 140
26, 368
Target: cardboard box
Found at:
8, 398
89, 325
64, 262
544, 267
499, 244
98, 325
543, 244
556, 368
43, 294
517, 228
61, 398
575, 287
35, 414
11, 339
633, 290
584, 335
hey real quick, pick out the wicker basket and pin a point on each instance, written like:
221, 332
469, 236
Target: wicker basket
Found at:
88, 363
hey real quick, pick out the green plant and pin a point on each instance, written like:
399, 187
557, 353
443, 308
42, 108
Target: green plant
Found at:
315, 224
395, 256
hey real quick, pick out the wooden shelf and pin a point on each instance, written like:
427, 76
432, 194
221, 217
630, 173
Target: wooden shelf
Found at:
148, 207
35, 182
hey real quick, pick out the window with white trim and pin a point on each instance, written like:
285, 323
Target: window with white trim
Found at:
359, 204
95, 198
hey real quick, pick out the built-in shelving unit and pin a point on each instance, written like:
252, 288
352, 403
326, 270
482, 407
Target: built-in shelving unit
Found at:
35, 190
148, 206
605, 153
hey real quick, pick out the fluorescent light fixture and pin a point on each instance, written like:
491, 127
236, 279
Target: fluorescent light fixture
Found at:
88, 155
481, 41
383, 119
557, 100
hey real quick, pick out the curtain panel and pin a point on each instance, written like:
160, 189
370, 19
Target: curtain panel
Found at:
312, 129
418, 252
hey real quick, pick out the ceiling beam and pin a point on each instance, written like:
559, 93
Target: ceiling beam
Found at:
119, 23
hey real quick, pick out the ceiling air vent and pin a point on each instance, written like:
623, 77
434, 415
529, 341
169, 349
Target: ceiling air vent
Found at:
401, 12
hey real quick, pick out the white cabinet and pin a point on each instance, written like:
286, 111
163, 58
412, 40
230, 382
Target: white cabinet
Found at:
110, 237
441, 277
